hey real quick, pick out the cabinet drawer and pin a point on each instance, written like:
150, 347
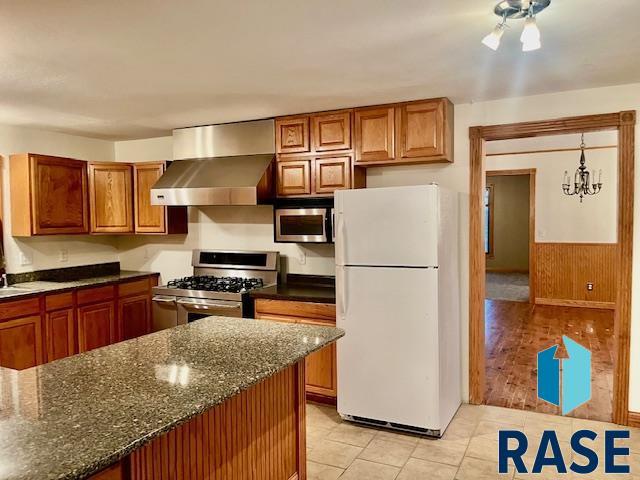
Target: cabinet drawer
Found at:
132, 288
92, 295
323, 312
19, 308
59, 301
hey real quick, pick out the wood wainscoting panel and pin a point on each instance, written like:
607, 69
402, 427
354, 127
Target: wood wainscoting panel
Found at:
564, 269
256, 434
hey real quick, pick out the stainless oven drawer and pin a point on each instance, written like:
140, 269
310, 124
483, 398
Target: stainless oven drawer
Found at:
301, 225
191, 309
164, 312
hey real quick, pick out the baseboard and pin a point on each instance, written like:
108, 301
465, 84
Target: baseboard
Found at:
634, 419
561, 302
507, 270
323, 399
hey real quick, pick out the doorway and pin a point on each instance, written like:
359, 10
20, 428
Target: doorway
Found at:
624, 124
509, 229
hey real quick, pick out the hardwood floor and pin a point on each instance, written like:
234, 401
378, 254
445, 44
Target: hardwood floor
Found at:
515, 332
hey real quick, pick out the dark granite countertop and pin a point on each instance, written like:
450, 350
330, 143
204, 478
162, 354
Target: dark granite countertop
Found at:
37, 287
301, 288
73, 417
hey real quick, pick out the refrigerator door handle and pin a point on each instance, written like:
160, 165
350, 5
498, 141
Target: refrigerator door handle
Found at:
340, 238
340, 296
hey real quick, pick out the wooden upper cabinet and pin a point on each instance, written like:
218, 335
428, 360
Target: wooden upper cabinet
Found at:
423, 130
332, 173
294, 178
331, 131
148, 218
49, 195
374, 134
111, 197
292, 134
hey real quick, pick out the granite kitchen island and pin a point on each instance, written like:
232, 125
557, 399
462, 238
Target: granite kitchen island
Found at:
220, 398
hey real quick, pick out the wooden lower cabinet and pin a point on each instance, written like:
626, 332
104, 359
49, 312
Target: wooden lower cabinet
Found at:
60, 334
134, 316
21, 342
114, 472
322, 378
96, 325
321, 366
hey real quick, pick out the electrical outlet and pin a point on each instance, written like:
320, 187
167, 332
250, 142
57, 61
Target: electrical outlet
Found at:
589, 286
64, 255
25, 259
302, 257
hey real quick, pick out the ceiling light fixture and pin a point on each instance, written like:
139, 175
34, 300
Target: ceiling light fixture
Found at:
516, 9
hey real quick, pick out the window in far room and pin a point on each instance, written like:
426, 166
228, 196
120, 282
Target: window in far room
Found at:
488, 220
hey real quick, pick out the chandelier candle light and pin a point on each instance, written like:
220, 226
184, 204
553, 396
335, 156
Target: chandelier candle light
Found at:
582, 179
516, 9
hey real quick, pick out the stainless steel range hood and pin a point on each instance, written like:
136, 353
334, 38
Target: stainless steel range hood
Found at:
230, 164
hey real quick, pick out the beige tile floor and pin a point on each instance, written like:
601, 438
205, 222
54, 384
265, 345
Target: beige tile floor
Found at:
467, 451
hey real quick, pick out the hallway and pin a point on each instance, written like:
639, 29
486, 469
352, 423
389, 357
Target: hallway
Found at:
515, 332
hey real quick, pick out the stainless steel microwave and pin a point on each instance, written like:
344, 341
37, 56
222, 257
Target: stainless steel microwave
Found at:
304, 224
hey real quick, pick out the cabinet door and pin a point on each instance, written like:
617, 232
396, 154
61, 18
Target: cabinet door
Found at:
59, 195
421, 129
332, 173
294, 178
96, 326
60, 334
321, 371
292, 134
110, 186
21, 342
134, 316
374, 134
331, 131
148, 218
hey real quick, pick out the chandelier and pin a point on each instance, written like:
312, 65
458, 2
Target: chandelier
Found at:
516, 9
582, 179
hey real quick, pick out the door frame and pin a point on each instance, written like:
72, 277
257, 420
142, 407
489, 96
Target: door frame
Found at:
532, 220
624, 123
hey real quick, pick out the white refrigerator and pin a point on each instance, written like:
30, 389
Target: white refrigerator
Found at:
398, 299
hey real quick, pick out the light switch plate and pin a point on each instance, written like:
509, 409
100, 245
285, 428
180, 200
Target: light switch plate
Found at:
64, 255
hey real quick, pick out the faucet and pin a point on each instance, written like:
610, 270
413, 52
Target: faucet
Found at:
3, 281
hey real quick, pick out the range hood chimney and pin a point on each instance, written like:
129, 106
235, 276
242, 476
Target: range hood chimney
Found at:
229, 164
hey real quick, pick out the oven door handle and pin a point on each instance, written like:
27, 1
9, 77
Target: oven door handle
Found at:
164, 299
206, 306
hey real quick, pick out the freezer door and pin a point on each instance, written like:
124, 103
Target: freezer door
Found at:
395, 226
388, 359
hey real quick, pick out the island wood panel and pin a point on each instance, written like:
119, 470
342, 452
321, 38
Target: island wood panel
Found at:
564, 269
257, 434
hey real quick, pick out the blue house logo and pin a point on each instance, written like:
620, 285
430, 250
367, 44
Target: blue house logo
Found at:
565, 383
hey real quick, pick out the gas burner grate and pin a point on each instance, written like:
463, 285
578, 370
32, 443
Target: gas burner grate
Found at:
211, 283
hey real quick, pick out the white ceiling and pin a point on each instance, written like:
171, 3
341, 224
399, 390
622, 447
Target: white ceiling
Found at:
129, 69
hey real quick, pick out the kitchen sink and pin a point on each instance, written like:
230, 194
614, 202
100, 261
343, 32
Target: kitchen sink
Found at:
10, 291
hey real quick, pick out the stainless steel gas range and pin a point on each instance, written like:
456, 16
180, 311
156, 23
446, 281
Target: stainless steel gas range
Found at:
220, 285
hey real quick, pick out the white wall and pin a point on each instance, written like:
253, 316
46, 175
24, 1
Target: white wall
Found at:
43, 252
562, 218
